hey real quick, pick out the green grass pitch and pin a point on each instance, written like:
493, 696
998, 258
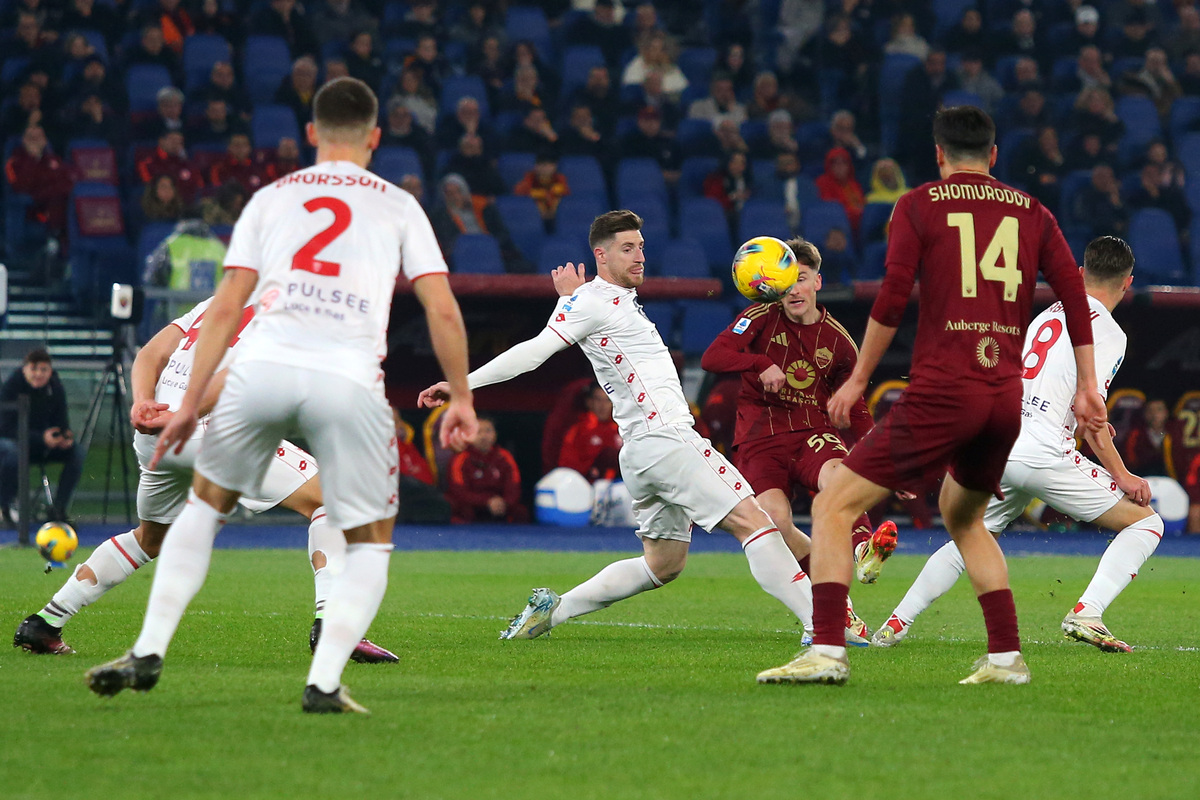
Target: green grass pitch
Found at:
653, 698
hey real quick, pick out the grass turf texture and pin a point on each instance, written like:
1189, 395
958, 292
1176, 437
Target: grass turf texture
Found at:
653, 698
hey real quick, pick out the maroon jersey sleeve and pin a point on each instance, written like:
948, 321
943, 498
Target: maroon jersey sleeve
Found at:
1062, 273
903, 258
731, 350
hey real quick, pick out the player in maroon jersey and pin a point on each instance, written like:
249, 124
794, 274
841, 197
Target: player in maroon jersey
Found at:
977, 246
1183, 453
792, 356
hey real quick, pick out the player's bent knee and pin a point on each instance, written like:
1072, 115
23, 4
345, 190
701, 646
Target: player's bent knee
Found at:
149, 536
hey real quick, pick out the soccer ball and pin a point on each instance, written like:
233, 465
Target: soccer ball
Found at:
56, 541
764, 269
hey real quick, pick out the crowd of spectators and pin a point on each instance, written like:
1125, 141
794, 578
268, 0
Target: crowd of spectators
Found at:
794, 104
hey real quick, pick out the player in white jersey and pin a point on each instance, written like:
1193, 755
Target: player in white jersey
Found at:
676, 477
324, 247
160, 378
1044, 463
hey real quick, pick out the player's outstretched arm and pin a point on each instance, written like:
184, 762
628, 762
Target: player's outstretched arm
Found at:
149, 363
875, 343
221, 322
449, 337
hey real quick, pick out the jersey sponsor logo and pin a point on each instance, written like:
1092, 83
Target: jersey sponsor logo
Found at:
780, 339
823, 357
800, 374
741, 325
987, 352
323, 300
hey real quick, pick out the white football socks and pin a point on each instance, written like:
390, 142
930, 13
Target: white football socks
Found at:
615, 582
937, 577
777, 572
182, 568
328, 540
1121, 562
112, 562
354, 599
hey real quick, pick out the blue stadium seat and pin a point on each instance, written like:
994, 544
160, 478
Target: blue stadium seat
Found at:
702, 321
1155, 243
683, 258
696, 138
456, 87
960, 97
477, 253
703, 219
266, 61
13, 67
873, 262
200, 52
1185, 114
819, 219
526, 22
639, 176
513, 166
392, 163
874, 221
271, 123
1187, 149
559, 250
663, 314
524, 223
693, 172
1072, 184
584, 175
575, 214
653, 211
763, 218
1140, 116
1009, 145
142, 82
892, 73
697, 64
98, 259
577, 62
947, 13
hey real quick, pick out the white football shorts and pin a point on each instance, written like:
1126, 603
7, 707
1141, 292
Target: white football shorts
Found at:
162, 492
348, 426
677, 477
1075, 486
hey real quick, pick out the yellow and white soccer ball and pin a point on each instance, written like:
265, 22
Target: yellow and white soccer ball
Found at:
764, 269
57, 541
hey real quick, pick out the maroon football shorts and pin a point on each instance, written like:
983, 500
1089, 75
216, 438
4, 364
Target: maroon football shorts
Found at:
788, 460
924, 435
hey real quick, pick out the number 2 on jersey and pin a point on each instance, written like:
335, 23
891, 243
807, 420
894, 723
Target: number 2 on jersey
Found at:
306, 257
1005, 242
1043, 340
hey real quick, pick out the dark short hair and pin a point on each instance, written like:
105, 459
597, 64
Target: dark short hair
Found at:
609, 224
38, 355
345, 105
806, 252
1107, 259
964, 133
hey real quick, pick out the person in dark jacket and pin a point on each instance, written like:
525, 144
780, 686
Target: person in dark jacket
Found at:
484, 484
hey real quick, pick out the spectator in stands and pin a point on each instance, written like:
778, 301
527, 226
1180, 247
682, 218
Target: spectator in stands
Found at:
1137, 20
1089, 72
216, 126
780, 137
920, 96
764, 97
654, 95
1186, 37
973, 78
721, 103
843, 132
50, 435
170, 158
525, 53
476, 25
733, 63
222, 85
580, 137
545, 184
400, 130
1022, 39
1189, 81
415, 186
1171, 172
729, 137
887, 182
340, 20
645, 19
592, 446
90, 118
839, 49
161, 201
76, 51
1144, 446
420, 99
432, 64
208, 16
905, 39
34, 43
967, 34
168, 114
1027, 75
421, 20
88, 15
484, 483
459, 211
535, 133
656, 55
649, 141
838, 184
283, 18
799, 23
363, 62
1039, 166
297, 89
600, 97
151, 50
527, 91
837, 260
25, 113
1151, 193
602, 30
239, 165
335, 67
470, 162
787, 173
225, 206
34, 170
467, 118
1087, 153
488, 62
96, 78
174, 20
731, 186
1094, 114
1086, 32
1030, 111
1099, 204
192, 257
1156, 80
285, 160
